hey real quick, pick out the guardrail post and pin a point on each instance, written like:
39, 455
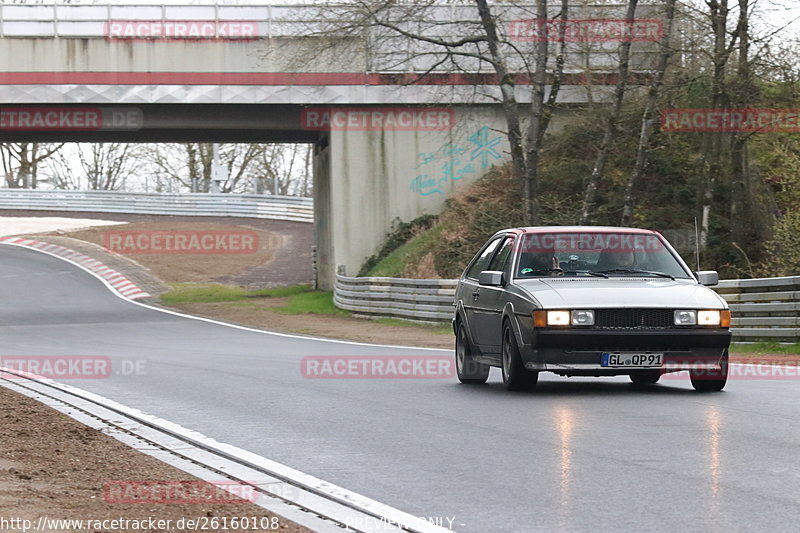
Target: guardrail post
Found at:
314, 266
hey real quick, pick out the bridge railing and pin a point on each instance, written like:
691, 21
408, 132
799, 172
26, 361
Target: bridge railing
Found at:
766, 309
189, 204
389, 51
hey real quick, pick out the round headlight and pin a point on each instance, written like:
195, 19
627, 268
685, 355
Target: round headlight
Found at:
685, 318
583, 317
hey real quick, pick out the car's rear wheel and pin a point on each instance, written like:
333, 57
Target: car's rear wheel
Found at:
645, 377
711, 380
469, 371
515, 375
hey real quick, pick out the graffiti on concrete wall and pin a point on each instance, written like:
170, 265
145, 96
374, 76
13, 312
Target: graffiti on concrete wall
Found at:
450, 162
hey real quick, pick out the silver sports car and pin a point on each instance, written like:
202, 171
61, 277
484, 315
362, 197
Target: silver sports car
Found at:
588, 301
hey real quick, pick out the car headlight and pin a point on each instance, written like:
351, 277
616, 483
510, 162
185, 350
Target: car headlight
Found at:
577, 317
685, 317
708, 318
703, 317
558, 318
714, 317
582, 317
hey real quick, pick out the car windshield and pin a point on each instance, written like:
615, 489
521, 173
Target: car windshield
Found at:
599, 254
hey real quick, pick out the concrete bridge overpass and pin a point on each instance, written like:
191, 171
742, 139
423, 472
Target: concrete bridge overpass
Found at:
390, 144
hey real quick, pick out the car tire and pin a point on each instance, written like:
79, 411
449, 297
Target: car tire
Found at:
702, 383
645, 377
515, 376
468, 370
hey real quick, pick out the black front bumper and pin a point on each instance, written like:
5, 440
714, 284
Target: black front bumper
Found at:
581, 349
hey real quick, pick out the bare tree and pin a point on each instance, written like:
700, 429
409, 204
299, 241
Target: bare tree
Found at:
743, 91
718, 13
467, 44
611, 124
62, 174
283, 169
94, 166
21, 162
107, 165
648, 116
191, 164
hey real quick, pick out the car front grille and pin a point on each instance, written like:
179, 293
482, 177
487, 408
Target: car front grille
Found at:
634, 318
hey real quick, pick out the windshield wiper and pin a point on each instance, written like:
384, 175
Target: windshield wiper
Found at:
590, 272
635, 271
527, 271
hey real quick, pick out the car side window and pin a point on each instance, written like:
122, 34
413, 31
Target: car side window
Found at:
480, 264
500, 260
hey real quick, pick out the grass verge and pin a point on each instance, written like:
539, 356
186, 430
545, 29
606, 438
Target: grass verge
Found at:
184, 293
765, 348
300, 298
311, 302
434, 328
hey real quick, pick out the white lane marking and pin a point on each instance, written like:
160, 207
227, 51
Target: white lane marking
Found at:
352, 500
113, 291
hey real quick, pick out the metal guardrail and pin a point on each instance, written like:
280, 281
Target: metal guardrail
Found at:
190, 204
763, 309
425, 300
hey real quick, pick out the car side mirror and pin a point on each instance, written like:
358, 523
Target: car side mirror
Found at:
492, 278
709, 278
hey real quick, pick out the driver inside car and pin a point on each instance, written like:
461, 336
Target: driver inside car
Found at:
611, 259
536, 263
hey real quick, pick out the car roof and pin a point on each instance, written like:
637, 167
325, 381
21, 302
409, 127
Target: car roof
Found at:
578, 229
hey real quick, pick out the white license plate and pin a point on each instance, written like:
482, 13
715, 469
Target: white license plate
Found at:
632, 359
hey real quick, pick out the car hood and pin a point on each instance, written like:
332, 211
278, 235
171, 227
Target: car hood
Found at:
572, 292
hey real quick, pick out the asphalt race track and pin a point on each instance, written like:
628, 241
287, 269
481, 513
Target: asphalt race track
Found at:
577, 455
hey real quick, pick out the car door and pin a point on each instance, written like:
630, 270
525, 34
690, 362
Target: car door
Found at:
469, 289
488, 305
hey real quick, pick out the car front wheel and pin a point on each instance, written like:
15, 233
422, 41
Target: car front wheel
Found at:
515, 375
711, 380
469, 371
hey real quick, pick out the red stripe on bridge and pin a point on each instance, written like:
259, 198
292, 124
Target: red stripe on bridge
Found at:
272, 78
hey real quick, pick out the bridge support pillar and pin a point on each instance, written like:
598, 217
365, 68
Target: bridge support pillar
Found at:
323, 217
376, 179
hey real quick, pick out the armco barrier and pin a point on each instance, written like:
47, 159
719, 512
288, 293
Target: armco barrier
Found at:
765, 309
427, 300
188, 204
